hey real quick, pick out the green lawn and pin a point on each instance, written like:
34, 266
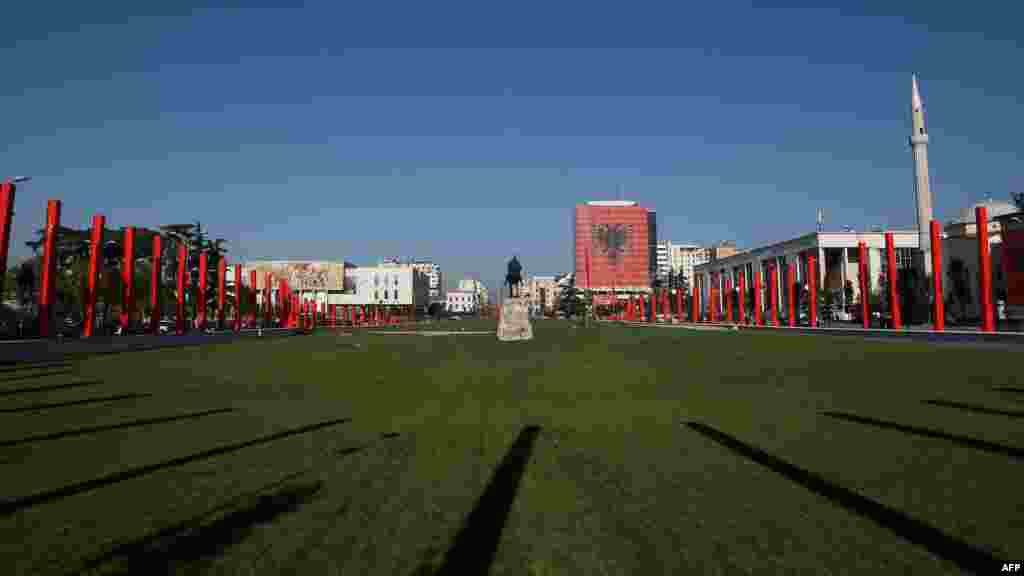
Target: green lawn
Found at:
568, 454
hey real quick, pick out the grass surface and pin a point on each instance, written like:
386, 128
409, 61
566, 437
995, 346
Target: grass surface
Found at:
579, 452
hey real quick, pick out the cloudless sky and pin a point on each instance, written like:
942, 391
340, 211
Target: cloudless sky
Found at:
466, 131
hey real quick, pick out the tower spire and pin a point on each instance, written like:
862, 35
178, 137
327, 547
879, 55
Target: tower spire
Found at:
922, 190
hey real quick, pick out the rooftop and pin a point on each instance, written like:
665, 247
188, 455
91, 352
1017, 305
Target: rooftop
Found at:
611, 203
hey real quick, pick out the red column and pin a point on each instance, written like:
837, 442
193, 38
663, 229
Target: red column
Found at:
728, 299
865, 283
201, 299
238, 297
47, 289
774, 296
791, 292
713, 298
95, 249
334, 315
938, 306
182, 256
252, 286
154, 285
127, 277
757, 299
894, 297
268, 303
282, 302
6, 215
654, 306
988, 323
742, 301
812, 291
222, 272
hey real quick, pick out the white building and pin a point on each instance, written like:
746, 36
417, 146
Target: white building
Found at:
388, 284
837, 256
678, 257
663, 263
462, 301
475, 286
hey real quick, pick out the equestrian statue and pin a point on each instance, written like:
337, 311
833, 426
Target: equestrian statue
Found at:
514, 277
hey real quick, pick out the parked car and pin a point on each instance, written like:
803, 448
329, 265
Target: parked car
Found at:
166, 326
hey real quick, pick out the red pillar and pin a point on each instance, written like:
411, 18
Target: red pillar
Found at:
728, 299
988, 323
127, 277
812, 292
95, 249
154, 285
201, 299
47, 289
894, 297
238, 297
252, 286
282, 302
742, 301
222, 271
654, 306
775, 294
334, 315
268, 303
182, 256
791, 292
713, 298
865, 284
938, 307
6, 215
757, 299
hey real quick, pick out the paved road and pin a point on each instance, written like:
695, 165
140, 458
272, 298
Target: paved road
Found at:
40, 350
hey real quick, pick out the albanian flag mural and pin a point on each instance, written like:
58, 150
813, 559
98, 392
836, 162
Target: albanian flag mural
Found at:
614, 240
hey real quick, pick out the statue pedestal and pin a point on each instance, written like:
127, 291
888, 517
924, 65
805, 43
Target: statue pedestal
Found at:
514, 323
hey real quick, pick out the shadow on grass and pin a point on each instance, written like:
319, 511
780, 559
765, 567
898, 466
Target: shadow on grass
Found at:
198, 538
975, 408
96, 400
122, 425
35, 376
11, 506
935, 541
6, 367
49, 387
1009, 389
967, 441
477, 541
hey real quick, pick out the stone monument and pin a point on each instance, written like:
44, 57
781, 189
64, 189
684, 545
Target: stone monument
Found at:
514, 315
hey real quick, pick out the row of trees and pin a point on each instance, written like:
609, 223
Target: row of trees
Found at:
72, 251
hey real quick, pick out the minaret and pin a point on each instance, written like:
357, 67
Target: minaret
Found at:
922, 192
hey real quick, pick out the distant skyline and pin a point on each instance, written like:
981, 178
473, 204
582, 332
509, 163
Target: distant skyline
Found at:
466, 133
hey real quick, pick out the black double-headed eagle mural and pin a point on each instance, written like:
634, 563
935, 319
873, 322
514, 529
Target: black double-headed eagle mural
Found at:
612, 240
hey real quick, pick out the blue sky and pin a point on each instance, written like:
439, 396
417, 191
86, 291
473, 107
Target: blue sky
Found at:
466, 132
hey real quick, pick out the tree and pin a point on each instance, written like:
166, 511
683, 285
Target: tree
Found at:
1018, 199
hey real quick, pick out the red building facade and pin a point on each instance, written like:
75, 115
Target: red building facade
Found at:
616, 237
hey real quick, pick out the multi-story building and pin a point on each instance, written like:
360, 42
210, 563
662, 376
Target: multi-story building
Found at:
664, 261
435, 278
543, 293
475, 286
723, 250
683, 257
615, 248
462, 301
